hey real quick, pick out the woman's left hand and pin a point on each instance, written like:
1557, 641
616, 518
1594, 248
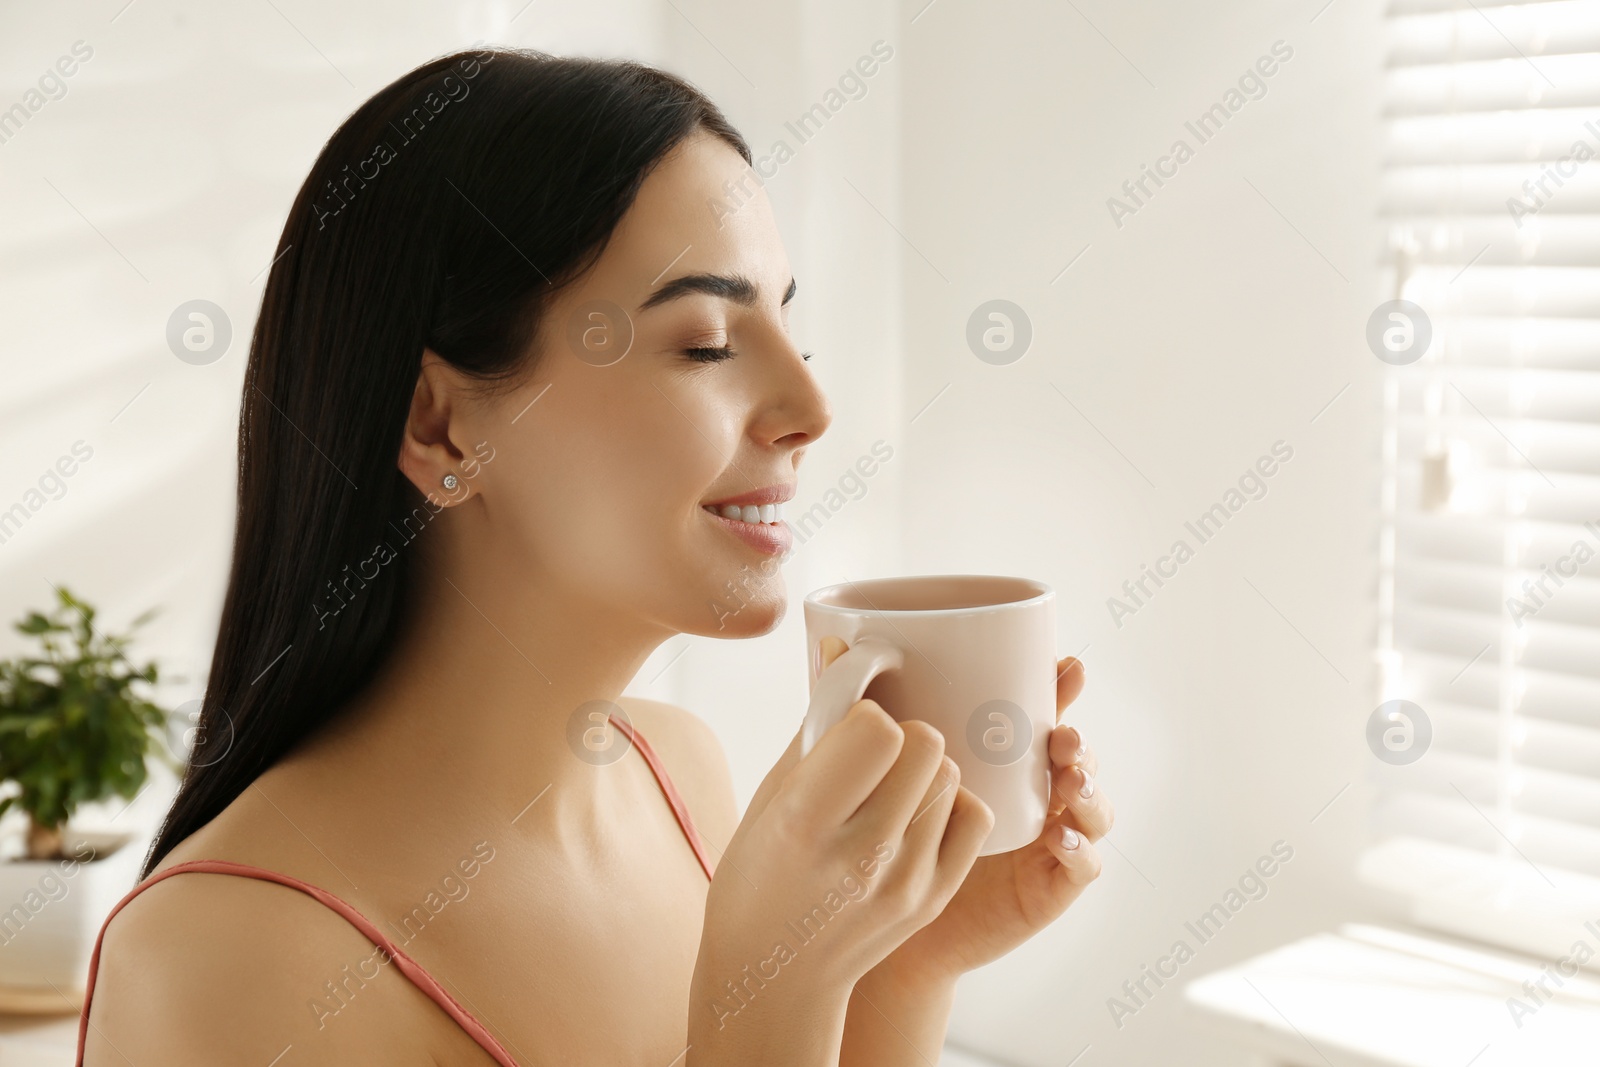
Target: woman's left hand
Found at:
1010, 896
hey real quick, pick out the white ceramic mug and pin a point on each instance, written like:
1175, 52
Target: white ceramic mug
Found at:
972, 655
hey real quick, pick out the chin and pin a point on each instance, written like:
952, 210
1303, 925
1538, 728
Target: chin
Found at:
755, 616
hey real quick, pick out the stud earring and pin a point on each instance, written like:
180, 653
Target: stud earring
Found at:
450, 481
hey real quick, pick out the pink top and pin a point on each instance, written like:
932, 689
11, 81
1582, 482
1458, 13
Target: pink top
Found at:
413, 970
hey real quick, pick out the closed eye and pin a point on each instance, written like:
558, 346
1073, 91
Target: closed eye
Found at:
717, 355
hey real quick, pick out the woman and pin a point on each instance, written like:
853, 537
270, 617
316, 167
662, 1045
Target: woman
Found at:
516, 366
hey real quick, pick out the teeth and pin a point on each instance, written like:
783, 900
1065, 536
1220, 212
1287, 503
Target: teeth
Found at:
751, 513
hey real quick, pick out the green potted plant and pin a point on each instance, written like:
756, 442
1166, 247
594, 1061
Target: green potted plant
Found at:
76, 727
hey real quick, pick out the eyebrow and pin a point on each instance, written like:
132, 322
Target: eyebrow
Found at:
734, 287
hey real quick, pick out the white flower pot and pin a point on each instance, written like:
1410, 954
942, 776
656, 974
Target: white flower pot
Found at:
50, 913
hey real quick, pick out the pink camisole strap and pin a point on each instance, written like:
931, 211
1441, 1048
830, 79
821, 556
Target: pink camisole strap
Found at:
413, 971
679, 808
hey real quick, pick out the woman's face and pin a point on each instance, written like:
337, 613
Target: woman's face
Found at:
605, 460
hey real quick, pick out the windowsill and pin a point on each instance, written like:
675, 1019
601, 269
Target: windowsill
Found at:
1500, 900
1377, 997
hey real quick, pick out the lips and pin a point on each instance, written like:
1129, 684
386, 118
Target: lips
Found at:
768, 538
755, 517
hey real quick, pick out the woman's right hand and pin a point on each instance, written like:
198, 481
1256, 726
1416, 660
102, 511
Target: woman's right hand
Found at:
841, 856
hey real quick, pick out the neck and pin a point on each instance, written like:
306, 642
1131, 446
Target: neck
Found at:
476, 701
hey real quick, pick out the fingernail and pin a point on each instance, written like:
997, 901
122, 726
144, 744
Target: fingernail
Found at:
1087, 789
1077, 733
1069, 838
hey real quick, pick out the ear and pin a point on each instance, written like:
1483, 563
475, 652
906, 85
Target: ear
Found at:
428, 452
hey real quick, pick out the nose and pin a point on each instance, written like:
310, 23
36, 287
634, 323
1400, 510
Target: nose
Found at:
796, 411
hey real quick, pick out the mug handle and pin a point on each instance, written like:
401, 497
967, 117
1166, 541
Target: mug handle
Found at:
842, 684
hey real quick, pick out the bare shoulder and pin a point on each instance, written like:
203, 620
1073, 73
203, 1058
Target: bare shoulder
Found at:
694, 758
182, 959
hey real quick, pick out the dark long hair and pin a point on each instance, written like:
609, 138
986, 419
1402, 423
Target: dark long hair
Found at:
443, 214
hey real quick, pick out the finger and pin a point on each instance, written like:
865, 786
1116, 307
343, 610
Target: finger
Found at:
965, 831
1069, 682
1082, 804
849, 763
1067, 749
1078, 859
829, 649
1067, 784
910, 783
927, 826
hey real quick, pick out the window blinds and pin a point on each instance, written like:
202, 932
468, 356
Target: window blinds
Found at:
1489, 597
